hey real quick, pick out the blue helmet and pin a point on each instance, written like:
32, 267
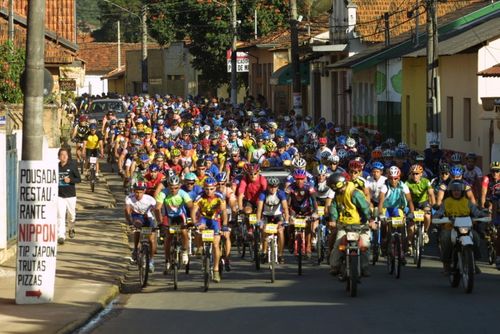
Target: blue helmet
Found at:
144, 157
341, 140
221, 177
378, 165
280, 133
209, 181
154, 168
456, 170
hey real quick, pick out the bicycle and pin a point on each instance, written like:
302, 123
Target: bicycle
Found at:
252, 220
418, 238
207, 236
92, 172
143, 253
272, 248
395, 249
321, 235
375, 242
299, 240
175, 252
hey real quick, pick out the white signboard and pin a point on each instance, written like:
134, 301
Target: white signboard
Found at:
37, 232
242, 61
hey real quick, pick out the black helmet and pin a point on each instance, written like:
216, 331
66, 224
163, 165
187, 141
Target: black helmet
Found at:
337, 181
444, 168
456, 185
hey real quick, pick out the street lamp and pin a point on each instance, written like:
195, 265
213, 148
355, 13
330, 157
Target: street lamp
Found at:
144, 41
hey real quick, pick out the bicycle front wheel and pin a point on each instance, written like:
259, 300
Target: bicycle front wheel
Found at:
206, 272
256, 250
272, 259
398, 256
175, 265
468, 269
143, 263
92, 179
299, 252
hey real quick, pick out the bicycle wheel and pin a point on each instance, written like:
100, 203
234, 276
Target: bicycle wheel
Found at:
353, 275
92, 179
492, 254
206, 271
256, 250
467, 269
375, 247
398, 256
299, 252
175, 265
390, 256
319, 243
143, 264
272, 259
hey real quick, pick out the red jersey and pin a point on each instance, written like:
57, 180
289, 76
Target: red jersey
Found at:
251, 190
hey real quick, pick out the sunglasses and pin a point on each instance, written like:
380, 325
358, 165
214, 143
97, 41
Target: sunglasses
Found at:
209, 189
415, 173
495, 170
190, 183
174, 187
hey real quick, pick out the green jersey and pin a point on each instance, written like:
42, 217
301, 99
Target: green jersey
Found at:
174, 204
419, 191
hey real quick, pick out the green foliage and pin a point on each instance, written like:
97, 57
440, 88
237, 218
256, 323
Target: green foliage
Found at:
109, 15
11, 67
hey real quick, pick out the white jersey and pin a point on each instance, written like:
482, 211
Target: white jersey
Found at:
472, 175
375, 186
145, 205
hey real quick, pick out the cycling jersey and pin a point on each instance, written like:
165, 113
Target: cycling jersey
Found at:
350, 207
272, 202
419, 191
210, 207
395, 197
375, 186
251, 190
302, 201
174, 204
472, 175
324, 192
142, 206
93, 141
81, 132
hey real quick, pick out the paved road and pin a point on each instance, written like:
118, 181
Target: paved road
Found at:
245, 301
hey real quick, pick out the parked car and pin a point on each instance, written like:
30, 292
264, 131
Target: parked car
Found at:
100, 107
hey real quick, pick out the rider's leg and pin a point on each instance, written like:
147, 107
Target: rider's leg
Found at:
216, 250
281, 239
336, 254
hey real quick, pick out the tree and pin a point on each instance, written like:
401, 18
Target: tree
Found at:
11, 68
207, 26
109, 15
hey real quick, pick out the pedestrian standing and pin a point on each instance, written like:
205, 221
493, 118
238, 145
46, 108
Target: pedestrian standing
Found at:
66, 204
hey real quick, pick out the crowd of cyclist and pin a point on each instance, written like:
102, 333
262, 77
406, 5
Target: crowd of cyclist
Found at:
199, 162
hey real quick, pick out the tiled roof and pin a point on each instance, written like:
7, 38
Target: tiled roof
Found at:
59, 16
103, 57
493, 71
55, 53
370, 20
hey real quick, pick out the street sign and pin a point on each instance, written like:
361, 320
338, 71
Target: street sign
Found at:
67, 85
37, 232
242, 61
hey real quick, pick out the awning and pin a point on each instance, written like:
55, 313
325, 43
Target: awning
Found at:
284, 75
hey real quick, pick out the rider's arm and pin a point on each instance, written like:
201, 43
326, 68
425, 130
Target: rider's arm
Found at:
241, 192
484, 191
410, 202
194, 211
432, 199
363, 206
224, 212
286, 212
260, 206
128, 212
470, 196
157, 211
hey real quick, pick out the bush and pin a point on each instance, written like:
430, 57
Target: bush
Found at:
11, 68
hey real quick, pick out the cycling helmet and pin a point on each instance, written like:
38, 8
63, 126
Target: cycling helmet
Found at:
376, 154
173, 180
403, 146
176, 152
325, 155
419, 157
341, 140
273, 182
154, 168
434, 143
456, 158
280, 133
251, 168
112, 122
159, 155
266, 136
342, 154
221, 177
456, 185
350, 142
299, 163
93, 126
132, 150
495, 165
354, 132
190, 177
133, 131
209, 181
83, 118
444, 168
391, 142
416, 169
471, 156
281, 144
355, 165
337, 181
299, 174
271, 146
137, 141
400, 153
456, 171
333, 159
394, 172
321, 169
148, 131
139, 185
378, 165
388, 153
323, 140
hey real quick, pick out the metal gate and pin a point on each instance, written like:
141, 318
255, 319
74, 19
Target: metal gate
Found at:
12, 184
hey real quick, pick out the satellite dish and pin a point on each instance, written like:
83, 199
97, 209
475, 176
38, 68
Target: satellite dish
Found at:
48, 82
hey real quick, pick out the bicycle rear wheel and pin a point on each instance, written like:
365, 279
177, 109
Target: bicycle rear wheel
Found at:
256, 250
206, 271
353, 275
92, 179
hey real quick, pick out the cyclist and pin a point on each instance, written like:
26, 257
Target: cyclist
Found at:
251, 185
442, 180
355, 169
433, 156
153, 178
93, 145
349, 207
473, 174
456, 173
375, 182
231, 201
171, 205
80, 132
272, 207
302, 202
456, 205
490, 198
139, 210
422, 195
206, 213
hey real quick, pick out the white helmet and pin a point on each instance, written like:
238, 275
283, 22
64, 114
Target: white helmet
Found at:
394, 171
350, 142
299, 163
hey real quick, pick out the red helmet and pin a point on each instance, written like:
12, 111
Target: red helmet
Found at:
83, 118
323, 140
355, 165
251, 168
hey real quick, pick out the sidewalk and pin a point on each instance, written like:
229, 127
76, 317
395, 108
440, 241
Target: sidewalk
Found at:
89, 270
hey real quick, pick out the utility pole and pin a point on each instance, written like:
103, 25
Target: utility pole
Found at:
119, 45
387, 29
294, 35
33, 87
234, 79
433, 127
144, 59
11, 20
255, 22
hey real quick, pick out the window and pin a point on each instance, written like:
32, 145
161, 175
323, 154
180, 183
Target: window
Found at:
467, 119
449, 117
